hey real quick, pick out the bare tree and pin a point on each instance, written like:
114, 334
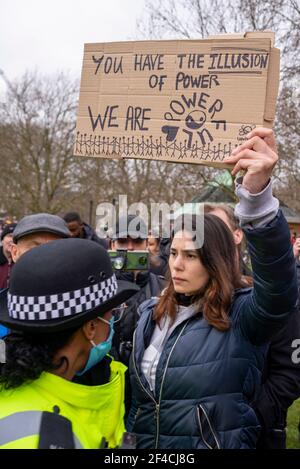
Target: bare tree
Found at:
194, 19
141, 180
37, 120
36, 135
184, 19
39, 172
288, 132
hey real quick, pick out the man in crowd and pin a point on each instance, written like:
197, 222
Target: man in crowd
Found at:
34, 230
281, 377
6, 261
131, 234
132, 238
80, 229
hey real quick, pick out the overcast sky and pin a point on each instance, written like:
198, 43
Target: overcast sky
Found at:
48, 35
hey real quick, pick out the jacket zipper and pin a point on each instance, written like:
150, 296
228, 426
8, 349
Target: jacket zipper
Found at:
210, 426
137, 375
201, 430
136, 415
161, 386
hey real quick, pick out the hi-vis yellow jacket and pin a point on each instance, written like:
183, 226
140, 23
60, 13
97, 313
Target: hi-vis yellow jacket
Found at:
94, 411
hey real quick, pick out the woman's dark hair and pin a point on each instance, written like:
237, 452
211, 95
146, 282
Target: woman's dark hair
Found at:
28, 355
219, 256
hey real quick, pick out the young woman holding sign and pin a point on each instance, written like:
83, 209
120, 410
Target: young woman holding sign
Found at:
199, 349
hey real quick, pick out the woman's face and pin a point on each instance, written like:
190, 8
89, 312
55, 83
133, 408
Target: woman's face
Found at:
187, 272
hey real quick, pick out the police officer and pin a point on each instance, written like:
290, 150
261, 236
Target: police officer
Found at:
58, 387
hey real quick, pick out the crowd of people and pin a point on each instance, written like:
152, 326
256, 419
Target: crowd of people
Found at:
192, 352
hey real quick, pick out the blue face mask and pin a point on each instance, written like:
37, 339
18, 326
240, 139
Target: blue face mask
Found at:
98, 352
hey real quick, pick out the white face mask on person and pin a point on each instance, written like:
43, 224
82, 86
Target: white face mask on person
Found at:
98, 352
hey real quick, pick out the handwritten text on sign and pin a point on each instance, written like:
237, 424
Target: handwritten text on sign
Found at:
172, 105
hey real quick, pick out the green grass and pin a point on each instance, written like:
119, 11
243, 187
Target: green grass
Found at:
292, 426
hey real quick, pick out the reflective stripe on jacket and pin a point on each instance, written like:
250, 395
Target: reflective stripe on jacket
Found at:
96, 412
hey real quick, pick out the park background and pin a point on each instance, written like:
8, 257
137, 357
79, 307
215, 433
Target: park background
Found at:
41, 45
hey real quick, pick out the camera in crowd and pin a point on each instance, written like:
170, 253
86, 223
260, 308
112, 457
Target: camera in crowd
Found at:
124, 260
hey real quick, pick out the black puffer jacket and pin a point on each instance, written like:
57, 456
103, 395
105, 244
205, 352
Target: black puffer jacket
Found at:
281, 386
150, 285
281, 383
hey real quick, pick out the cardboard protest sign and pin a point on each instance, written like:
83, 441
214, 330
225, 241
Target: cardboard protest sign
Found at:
179, 101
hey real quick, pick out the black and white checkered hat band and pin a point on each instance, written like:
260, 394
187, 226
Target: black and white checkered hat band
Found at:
38, 308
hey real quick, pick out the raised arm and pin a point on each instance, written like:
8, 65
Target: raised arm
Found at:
275, 289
